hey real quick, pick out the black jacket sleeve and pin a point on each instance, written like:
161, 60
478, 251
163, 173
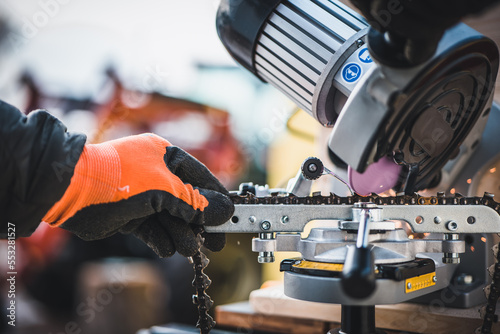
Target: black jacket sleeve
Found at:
37, 160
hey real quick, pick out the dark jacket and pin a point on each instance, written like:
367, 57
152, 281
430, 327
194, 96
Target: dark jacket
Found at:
37, 160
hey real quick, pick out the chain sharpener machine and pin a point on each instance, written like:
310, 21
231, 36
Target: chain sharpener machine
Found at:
429, 118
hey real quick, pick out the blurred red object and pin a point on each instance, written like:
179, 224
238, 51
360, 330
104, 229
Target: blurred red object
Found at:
35, 252
201, 130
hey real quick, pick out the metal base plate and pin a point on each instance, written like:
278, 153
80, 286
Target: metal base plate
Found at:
338, 331
178, 329
329, 289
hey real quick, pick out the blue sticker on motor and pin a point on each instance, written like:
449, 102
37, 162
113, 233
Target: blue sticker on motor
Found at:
364, 56
351, 72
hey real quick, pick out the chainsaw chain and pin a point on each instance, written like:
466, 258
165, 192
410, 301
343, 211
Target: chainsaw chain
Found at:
201, 282
492, 291
318, 199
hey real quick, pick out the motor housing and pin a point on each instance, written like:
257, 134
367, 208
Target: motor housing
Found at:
315, 52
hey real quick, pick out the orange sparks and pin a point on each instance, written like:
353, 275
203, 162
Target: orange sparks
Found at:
452, 191
469, 181
483, 239
493, 170
472, 248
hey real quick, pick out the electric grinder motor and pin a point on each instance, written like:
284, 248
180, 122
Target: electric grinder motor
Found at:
316, 53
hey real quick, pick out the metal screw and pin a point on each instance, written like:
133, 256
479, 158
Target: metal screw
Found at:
266, 257
252, 219
312, 168
359, 43
408, 286
434, 279
452, 225
471, 220
451, 258
285, 219
265, 225
437, 220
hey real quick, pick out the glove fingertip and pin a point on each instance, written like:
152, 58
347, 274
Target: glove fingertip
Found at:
214, 241
156, 238
182, 235
220, 208
190, 170
187, 250
162, 252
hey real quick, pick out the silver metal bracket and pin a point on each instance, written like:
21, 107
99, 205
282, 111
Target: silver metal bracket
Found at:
421, 218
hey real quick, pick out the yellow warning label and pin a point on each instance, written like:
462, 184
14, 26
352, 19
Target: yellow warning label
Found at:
320, 266
420, 282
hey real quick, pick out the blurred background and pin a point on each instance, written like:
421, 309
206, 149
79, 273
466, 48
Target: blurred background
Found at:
116, 68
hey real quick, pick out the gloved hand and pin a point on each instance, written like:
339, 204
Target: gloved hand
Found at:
145, 186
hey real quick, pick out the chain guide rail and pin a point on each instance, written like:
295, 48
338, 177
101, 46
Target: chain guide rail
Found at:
436, 214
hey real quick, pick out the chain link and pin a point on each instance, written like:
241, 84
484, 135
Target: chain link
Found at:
201, 282
415, 199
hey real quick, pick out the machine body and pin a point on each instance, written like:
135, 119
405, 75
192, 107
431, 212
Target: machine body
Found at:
425, 112
316, 53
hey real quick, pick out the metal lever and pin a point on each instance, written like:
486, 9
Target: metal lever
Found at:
358, 276
299, 185
312, 168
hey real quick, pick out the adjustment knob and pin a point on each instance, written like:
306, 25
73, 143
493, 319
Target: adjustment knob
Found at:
312, 168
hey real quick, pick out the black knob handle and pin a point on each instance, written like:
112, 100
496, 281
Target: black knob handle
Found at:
312, 168
358, 276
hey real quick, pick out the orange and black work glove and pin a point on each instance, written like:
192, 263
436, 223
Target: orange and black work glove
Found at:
145, 186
